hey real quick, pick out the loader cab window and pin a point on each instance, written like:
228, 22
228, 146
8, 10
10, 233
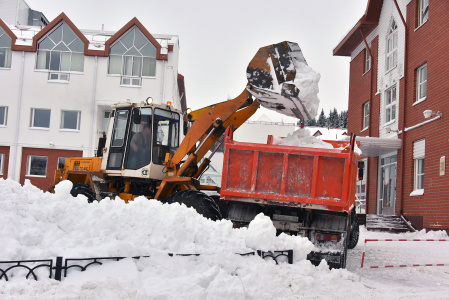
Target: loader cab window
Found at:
119, 134
138, 154
165, 134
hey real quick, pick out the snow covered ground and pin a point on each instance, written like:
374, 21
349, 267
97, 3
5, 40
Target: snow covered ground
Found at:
37, 225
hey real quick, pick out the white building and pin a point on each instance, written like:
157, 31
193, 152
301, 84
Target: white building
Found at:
59, 83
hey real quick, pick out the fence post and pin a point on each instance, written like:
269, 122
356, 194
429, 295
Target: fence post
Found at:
290, 256
58, 267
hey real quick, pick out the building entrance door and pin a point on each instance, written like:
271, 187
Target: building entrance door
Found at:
387, 186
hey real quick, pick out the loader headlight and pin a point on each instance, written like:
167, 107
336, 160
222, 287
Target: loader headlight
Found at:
149, 100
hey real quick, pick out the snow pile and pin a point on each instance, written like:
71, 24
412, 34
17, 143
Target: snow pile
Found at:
303, 138
35, 225
38, 225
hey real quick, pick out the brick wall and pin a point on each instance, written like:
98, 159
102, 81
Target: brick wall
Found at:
44, 182
428, 44
362, 88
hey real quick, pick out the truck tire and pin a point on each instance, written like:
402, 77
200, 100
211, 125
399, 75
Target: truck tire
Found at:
83, 189
202, 203
355, 232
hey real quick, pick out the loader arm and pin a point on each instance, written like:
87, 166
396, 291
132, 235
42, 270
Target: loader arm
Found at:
272, 83
209, 125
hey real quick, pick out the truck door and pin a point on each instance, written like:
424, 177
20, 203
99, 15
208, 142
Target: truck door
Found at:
118, 139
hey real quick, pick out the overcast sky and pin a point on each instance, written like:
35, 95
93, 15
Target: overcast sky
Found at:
219, 38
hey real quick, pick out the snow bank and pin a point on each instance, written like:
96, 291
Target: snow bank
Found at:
37, 225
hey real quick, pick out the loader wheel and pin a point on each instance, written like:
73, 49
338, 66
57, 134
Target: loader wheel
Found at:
202, 203
83, 189
355, 232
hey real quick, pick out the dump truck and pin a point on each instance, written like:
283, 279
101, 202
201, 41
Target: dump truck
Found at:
305, 191
143, 155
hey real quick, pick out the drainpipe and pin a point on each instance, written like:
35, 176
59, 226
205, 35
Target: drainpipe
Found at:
371, 95
19, 107
92, 108
401, 212
163, 82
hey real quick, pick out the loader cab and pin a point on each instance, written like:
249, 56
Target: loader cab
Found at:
139, 139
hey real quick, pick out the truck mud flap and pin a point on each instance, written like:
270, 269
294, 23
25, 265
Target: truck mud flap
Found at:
335, 260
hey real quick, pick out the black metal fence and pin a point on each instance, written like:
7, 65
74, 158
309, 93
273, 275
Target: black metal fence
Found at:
62, 265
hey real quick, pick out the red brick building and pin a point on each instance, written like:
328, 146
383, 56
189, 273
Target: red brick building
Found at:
399, 89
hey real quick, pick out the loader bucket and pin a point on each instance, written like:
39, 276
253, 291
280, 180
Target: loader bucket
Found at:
277, 74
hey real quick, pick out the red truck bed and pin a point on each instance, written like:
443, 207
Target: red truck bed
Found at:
312, 178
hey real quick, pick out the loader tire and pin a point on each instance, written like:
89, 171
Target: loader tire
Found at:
355, 232
202, 203
83, 189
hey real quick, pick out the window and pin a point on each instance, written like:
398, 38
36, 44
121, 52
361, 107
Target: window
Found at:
132, 56
423, 12
40, 118
418, 157
367, 60
421, 83
61, 161
60, 51
5, 49
360, 192
70, 119
107, 115
37, 165
390, 104
365, 115
2, 162
3, 115
392, 46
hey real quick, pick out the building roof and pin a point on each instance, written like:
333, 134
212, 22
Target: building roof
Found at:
364, 26
325, 133
96, 42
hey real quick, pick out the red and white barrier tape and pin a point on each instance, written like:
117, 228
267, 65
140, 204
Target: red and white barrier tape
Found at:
400, 266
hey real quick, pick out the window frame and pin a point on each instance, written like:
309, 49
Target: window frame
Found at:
419, 84
61, 55
365, 111
367, 65
391, 54
78, 120
130, 63
5, 116
8, 53
417, 174
29, 162
419, 150
423, 12
2, 163
59, 161
390, 104
33, 116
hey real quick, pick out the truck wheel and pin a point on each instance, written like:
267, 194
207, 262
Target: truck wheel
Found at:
355, 232
83, 189
202, 203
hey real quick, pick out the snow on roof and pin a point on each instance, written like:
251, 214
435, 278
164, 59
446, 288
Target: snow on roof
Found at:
325, 133
264, 118
24, 34
96, 38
